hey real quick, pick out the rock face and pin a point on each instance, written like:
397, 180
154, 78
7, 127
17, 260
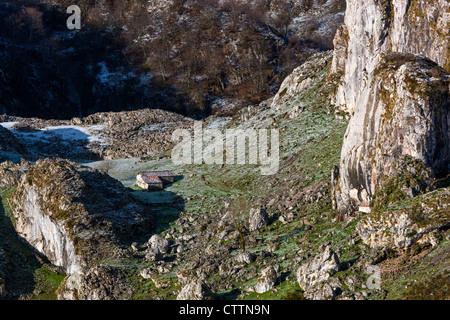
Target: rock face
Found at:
405, 113
397, 96
76, 217
312, 276
375, 27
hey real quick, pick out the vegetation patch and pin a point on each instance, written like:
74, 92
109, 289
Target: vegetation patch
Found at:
410, 178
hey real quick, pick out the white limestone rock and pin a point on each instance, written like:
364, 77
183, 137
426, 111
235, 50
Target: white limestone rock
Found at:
318, 271
398, 100
266, 280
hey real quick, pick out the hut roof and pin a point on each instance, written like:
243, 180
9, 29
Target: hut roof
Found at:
165, 173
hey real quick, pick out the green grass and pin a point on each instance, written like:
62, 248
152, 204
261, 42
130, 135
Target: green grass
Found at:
287, 290
427, 279
46, 284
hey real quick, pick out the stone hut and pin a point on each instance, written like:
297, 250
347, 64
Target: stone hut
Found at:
154, 180
165, 176
365, 207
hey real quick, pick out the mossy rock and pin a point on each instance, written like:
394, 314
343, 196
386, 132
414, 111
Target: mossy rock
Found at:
411, 178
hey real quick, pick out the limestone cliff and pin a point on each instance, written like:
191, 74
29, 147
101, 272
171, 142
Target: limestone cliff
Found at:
392, 57
76, 217
375, 27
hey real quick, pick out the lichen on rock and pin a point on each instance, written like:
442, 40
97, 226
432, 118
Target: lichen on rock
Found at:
406, 178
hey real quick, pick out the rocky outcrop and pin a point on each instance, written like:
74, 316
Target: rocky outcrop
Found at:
405, 113
395, 88
193, 287
244, 258
376, 27
409, 223
258, 218
9, 144
103, 283
132, 134
103, 135
157, 246
266, 279
10, 173
340, 52
301, 78
76, 217
312, 276
156, 242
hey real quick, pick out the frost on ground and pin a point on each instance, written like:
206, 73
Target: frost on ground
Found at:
76, 142
69, 132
